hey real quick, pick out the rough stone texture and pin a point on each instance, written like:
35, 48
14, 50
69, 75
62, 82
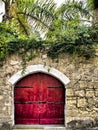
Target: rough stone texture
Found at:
81, 92
6, 126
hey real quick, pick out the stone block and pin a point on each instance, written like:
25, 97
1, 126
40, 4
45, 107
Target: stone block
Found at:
90, 102
94, 128
80, 124
80, 93
71, 103
14, 62
96, 92
1, 97
69, 92
81, 102
90, 93
95, 84
44, 56
82, 84
72, 113
5, 126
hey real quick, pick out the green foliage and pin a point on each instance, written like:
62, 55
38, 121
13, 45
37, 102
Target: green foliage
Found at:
93, 4
66, 33
70, 33
28, 15
77, 40
6, 35
12, 43
75, 11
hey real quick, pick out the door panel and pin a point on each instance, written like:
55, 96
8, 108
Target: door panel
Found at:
52, 108
51, 121
24, 95
26, 113
39, 99
52, 114
55, 94
55, 110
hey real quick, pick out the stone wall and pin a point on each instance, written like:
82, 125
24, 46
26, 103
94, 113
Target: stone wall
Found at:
81, 92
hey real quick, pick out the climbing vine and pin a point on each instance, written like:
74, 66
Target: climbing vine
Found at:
79, 41
76, 40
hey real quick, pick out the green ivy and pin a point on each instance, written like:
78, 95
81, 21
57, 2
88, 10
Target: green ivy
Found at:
76, 40
79, 41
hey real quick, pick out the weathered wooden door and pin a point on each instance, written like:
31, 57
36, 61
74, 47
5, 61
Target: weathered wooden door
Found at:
39, 99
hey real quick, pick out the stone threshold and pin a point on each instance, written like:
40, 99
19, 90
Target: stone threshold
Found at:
37, 126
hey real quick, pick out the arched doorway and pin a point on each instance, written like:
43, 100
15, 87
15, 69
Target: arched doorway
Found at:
39, 98
34, 69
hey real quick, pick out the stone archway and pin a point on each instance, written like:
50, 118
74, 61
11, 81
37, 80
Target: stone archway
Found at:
34, 69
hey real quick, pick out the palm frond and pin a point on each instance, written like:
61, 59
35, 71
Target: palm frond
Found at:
74, 10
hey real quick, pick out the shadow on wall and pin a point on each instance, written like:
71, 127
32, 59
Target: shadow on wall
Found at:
5, 126
83, 125
72, 125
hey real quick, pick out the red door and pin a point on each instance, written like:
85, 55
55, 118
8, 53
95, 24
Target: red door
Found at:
39, 99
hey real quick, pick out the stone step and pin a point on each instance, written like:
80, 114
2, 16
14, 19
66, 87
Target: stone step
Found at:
27, 128
39, 127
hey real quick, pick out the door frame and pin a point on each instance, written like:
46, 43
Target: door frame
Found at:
35, 69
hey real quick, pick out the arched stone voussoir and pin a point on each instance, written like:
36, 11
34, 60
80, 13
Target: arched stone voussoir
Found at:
39, 68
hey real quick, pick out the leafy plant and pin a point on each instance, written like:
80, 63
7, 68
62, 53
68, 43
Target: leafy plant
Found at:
65, 34
28, 15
